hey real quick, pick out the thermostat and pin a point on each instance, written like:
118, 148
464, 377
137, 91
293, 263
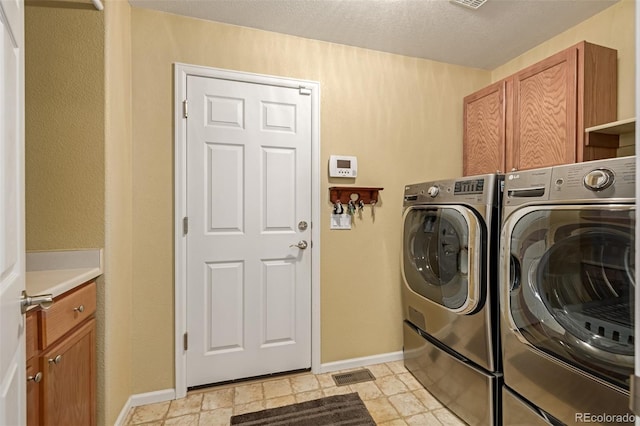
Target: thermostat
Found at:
343, 166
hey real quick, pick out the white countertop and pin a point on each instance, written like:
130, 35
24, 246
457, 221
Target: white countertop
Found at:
56, 272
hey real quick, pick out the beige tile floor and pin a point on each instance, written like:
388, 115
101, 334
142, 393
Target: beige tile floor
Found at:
395, 398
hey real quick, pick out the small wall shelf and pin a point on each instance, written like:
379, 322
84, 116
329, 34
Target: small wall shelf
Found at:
608, 135
343, 194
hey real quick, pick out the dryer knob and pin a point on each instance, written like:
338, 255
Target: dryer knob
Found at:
433, 191
599, 179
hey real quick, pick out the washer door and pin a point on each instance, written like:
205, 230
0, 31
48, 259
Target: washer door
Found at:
441, 256
571, 282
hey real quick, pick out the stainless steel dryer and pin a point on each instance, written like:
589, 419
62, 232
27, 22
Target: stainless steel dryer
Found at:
450, 270
568, 276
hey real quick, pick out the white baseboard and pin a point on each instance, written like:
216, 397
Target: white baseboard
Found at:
360, 362
144, 399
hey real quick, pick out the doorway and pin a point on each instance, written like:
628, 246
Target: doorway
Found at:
246, 253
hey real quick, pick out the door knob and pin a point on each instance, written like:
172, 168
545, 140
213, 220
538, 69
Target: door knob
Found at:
302, 244
43, 300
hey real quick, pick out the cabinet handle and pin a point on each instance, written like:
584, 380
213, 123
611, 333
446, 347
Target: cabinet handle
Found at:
55, 360
37, 378
79, 309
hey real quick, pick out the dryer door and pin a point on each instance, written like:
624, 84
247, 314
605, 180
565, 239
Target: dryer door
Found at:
572, 283
442, 250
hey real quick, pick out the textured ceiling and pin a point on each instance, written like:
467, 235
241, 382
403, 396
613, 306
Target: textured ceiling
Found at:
432, 29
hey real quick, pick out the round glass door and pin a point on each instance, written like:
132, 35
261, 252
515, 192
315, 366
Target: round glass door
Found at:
440, 246
572, 285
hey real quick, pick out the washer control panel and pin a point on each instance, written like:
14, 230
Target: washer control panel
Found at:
433, 191
472, 190
470, 186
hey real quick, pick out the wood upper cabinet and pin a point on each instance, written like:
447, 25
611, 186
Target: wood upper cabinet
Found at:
484, 130
61, 360
547, 107
544, 113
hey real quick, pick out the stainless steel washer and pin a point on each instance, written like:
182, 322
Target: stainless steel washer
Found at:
568, 276
450, 271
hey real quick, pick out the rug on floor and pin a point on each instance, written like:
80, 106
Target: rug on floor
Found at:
332, 410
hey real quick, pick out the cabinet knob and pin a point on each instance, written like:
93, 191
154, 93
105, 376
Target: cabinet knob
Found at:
56, 360
37, 378
79, 309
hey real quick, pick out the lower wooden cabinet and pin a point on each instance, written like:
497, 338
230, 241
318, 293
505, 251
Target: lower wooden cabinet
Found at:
61, 374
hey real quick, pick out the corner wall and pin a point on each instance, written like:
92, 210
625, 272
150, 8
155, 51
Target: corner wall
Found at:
118, 301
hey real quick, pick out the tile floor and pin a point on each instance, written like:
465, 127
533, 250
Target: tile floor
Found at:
395, 398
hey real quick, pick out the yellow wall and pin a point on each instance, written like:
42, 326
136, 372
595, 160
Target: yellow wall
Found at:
64, 120
401, 116
615, 28
118, 299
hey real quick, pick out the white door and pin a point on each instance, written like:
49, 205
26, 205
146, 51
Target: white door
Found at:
248, 200
12, 275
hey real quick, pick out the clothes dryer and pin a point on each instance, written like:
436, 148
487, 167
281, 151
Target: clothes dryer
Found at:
450, 271
568, 276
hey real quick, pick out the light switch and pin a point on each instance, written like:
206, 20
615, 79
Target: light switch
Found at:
341, 221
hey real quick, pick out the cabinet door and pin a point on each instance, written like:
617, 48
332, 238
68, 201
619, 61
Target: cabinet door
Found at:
33, 364
545, 104
68, 396
33, 393
484, 130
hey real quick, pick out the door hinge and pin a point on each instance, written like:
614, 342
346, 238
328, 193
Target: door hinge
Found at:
185, 225
185, 341
185, 110
304, 90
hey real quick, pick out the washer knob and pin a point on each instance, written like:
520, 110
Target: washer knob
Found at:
599, 179
433, 191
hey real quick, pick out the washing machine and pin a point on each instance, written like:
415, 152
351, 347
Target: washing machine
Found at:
449, 292
567, 298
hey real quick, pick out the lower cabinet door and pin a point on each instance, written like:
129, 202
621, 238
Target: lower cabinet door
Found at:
69, 379
34, 377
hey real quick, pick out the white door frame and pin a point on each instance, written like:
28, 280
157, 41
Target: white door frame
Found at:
181, 71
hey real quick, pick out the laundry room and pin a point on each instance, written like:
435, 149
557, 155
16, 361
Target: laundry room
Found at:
113, 98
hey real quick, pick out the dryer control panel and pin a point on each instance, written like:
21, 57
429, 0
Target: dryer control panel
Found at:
590, 181
613, 178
